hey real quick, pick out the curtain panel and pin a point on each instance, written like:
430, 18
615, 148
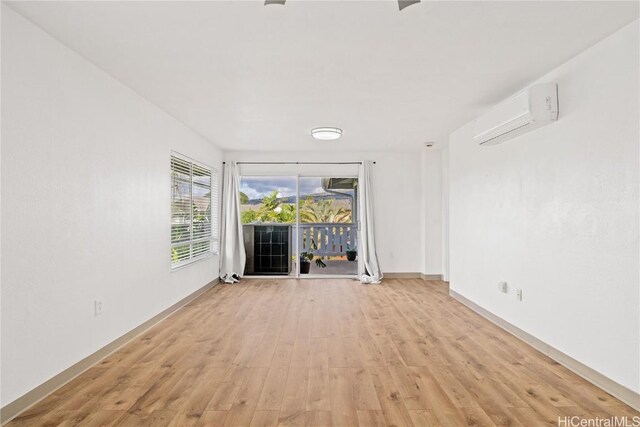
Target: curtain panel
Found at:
370, 266
232, 253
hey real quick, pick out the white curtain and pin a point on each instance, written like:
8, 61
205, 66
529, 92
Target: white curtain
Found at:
369, 259
232, 254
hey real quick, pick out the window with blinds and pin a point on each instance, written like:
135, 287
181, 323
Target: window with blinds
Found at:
194, 210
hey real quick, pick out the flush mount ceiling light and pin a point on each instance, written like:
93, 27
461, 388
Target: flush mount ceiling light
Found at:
404, 3
401, 3
326, 133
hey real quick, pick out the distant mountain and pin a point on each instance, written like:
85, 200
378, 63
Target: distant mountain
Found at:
315, 197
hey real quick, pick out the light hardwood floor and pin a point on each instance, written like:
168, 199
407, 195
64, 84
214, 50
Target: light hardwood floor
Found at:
321, 353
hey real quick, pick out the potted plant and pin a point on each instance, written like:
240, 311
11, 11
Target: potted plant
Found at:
305, 262
351, 253
307, 257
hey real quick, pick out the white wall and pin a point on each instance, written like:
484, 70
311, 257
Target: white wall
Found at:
445, 212
555, 213
397, 199
85, 208
432, 200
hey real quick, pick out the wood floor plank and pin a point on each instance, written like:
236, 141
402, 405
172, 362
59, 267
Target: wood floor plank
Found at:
423, 418
343, 407
227, 391
241, 412
154, 418
273, 390
154, 399
200, 394
319, 352
325, 352
319, 390
264, 419
372, 419
364, 392
391, 402
282, 355
293, 408
318, 419
212, 419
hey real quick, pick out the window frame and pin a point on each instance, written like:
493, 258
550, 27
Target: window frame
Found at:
214, 238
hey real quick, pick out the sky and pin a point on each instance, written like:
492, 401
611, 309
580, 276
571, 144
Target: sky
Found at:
256, 187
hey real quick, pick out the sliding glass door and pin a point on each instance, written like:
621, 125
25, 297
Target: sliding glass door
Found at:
300, 226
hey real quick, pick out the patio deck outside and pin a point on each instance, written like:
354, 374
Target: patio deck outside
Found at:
336, 267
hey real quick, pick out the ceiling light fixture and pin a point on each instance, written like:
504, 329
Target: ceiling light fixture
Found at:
326, 133
401, 3
404, 3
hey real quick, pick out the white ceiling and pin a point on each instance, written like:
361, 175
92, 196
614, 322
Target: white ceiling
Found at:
250, 77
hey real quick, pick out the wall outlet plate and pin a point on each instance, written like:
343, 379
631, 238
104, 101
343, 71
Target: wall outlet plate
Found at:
502, 287
97, 307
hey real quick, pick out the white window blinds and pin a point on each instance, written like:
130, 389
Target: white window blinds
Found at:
194, 210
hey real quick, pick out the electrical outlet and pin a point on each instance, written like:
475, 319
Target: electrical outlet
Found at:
519, 294
502, 287
97, 305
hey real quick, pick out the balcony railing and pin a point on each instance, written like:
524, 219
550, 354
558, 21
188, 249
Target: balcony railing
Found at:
331, 239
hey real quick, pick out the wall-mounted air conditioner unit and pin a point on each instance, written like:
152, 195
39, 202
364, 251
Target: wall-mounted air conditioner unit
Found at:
533, 107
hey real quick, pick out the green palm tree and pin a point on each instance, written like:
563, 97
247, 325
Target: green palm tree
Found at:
323, 211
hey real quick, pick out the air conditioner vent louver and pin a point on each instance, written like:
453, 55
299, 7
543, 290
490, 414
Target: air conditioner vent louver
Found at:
525, 111
504, 135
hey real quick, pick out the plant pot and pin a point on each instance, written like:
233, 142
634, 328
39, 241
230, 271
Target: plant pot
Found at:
351, 255
305, 266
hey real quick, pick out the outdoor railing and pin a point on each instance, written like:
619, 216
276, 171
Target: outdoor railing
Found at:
331, 239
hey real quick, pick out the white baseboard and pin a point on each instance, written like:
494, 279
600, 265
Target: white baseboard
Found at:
619, 391
432, 277
13, 409
410, 275
394, 275
401, 275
